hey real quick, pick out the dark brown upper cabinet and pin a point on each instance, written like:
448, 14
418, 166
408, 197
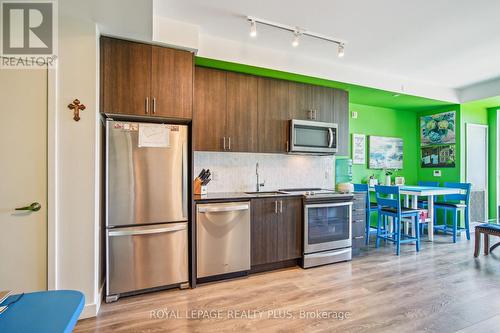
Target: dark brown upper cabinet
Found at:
323, 104
241, 112
209, 112
125, 76
146, 80
341, 117
245, 113
273, 107
225, 111
308, 102
300, 101
172, 83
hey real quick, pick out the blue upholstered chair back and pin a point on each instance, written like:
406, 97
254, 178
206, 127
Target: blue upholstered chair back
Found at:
363, 188
388, 196
459, 197
360, 187
427, 183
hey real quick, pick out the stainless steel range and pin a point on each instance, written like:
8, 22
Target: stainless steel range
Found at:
327, 226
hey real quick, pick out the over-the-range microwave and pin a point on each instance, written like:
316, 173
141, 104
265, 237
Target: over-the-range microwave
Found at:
313, 137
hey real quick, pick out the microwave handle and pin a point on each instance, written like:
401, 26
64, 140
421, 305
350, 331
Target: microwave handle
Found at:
330, 138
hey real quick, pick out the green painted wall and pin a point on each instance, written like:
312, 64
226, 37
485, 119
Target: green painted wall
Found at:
386, 122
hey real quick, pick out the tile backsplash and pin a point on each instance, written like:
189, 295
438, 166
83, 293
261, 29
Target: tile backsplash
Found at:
235, 172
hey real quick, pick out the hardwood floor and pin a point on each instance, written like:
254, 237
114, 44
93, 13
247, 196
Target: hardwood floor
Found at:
442, 289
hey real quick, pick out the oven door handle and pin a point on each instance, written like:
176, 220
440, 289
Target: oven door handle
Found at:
333, 204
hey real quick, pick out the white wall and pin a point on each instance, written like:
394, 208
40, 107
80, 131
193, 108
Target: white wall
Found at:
77, 145
235, 172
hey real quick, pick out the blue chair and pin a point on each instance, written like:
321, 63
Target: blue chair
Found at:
422, 203
455, 203
389, 205
370, 207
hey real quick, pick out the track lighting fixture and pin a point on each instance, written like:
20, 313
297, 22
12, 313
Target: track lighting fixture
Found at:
253, 29
340, 51
296, 38
297, 33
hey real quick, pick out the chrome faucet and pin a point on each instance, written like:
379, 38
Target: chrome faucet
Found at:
259, 185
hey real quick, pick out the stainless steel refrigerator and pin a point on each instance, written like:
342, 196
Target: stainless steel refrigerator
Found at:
146, 207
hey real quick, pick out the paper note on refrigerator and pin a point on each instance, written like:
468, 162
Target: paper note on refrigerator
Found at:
154, 135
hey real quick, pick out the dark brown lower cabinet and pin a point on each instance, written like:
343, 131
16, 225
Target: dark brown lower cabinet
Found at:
290, 229
264, 231
276, 230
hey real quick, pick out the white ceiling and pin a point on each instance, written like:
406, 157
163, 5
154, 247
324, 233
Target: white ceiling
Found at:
446, 43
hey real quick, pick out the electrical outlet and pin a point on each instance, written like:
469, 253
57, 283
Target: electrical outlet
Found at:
437, 173
354, 115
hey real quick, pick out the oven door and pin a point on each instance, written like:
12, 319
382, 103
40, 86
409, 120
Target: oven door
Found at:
327, 226
313, 137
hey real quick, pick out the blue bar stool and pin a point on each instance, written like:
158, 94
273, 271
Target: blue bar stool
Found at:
389, 205
370, 207
455, 203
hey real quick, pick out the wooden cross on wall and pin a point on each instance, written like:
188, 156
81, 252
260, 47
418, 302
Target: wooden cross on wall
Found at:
76, 107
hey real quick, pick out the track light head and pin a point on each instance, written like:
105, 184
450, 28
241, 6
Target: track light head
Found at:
253, 29
340, 51
296, 38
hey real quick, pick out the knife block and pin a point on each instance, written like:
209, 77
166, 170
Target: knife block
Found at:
198, 188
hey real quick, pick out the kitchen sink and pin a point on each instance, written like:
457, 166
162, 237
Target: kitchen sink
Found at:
266, 193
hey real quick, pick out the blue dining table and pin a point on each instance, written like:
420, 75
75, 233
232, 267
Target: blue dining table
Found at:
430, 192
55, 311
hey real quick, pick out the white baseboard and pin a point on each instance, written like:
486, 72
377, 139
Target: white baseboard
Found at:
91, 310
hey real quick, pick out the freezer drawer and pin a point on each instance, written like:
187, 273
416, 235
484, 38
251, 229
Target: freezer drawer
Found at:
222, 238
146, 257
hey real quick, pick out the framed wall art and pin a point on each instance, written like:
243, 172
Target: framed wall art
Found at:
385, 153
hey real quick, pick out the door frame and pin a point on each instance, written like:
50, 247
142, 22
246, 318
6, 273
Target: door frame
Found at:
486, 192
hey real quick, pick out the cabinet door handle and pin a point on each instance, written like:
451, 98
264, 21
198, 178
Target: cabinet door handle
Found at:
275, 207
315, 114
287, 145
154, 105
281, 206
224, 143
359, 237
309, 114
146, 105
229, 143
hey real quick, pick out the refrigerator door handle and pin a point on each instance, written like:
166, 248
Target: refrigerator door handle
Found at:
184, 181
134, 232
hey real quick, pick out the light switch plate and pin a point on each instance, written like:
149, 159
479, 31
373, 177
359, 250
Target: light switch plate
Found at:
437, 173
354, 115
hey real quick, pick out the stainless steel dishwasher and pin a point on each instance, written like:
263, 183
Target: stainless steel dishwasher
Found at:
222, 238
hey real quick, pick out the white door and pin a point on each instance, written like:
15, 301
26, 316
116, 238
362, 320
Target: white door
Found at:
23, 179
477, 170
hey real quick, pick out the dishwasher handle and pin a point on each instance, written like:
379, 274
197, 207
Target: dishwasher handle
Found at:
134, 232
213, 209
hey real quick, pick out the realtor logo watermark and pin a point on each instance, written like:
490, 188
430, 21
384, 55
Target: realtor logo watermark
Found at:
28, 37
